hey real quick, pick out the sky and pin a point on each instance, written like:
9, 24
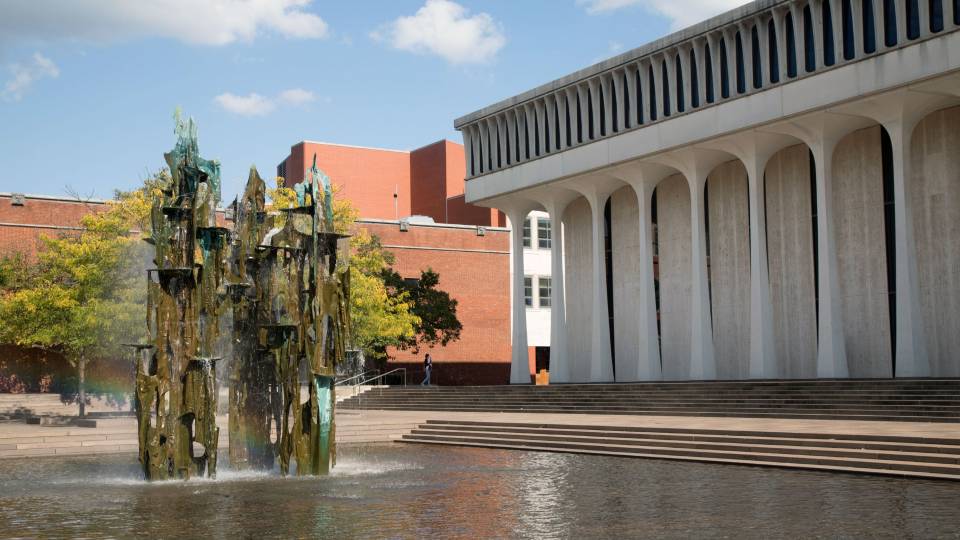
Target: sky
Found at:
88, 88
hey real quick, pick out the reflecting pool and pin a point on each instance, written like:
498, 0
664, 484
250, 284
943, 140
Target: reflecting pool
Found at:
410, 491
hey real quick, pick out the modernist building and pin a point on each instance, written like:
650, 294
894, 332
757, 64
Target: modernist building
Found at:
800, 162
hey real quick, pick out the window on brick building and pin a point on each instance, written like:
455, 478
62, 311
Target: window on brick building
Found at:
527, 233
545, 290
544, 236
528, 291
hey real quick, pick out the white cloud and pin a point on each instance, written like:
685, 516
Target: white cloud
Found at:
297, 96
202, 22
680, 13
254, 104
24, 75
446, 29
248, 105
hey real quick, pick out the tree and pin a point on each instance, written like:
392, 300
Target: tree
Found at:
85, 296
435, 310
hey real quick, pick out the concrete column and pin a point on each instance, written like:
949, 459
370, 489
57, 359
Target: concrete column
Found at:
530, 136
502, 149
831, 348
924, 14
648, 366
494, 138
730, 42
551, 122
816, 15
763, 355
836, 14
763, 36
601, 363
686, 90
606, 97
746, 40
541, 127
594, 85
796, 16
912, 359
701, 57
484, 147
901, 10
658, 84
632, 96
672, 83
510, 120
780, 28
468, 150
519, 362
879, 24
714, 41
647, 99
563, 102
584, 112
703, 365
619, 97
559, 355
859, 41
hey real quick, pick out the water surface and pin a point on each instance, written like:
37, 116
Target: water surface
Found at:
412, 491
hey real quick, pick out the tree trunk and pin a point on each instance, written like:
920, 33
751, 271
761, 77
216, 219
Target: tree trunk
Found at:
82, 384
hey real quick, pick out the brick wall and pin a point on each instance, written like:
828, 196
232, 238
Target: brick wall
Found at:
475, 271
21, 227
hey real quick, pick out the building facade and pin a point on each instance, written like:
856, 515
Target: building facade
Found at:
791, 165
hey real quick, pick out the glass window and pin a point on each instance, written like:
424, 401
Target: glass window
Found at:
544, 238
527, 233
528, 291
545, 283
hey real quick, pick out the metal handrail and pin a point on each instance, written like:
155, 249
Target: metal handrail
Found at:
343, 382
356, 387
382, 375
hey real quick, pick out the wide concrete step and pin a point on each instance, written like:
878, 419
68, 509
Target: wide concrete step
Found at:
804, 415
936, 458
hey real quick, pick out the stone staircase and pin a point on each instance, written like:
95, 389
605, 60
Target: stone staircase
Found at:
874, 454
915, 400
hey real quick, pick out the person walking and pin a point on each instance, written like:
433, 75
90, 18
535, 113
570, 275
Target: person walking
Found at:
427, 370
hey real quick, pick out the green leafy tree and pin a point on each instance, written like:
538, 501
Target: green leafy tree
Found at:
435, 310
85, 295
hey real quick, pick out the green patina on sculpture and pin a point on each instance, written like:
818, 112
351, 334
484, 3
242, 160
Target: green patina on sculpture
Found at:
290, 286
287, 278
176, 391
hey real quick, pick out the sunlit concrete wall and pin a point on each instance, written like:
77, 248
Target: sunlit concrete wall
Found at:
790, 256
934, 191
625, 240
578, 275
729, 223
673, 232
857, 197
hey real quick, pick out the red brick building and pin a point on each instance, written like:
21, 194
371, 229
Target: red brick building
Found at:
393, 184
475, 270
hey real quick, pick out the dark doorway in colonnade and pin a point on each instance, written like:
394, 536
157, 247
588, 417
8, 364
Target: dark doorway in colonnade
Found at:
608, 264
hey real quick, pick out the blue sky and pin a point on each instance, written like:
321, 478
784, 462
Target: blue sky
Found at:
88, 87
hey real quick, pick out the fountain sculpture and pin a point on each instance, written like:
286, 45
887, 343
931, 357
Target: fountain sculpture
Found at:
287, 278
176, 391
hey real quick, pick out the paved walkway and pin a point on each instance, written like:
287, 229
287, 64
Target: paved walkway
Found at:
367, 426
